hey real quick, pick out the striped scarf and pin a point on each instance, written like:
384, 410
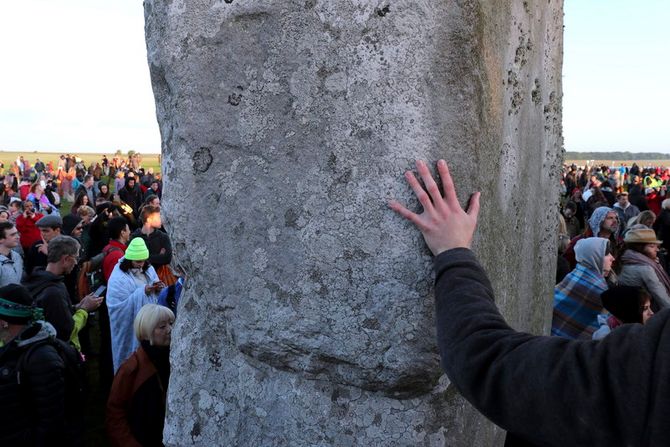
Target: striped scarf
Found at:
577, 304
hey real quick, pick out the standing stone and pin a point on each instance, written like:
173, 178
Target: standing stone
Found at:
307, 318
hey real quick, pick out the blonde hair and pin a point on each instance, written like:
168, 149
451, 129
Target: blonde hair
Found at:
85, 210
149, 316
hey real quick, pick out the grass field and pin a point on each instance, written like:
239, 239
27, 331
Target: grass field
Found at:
641, 163
7, 157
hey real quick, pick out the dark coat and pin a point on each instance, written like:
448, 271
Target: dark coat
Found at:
662, 227
33, 412
551, 391
132, 196
155, 242
49, 293
34, 258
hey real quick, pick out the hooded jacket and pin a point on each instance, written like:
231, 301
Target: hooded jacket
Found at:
49, 293
36, 417
132, 196
11, 268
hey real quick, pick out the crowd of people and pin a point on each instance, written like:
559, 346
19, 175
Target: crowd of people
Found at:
83, 256
614, 236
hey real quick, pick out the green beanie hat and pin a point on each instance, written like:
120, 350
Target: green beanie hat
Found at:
137, 250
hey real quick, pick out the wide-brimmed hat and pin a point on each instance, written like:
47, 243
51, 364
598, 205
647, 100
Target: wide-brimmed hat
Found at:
641, 236
137, 250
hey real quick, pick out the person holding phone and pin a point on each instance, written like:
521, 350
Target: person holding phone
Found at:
26, 223
132, 284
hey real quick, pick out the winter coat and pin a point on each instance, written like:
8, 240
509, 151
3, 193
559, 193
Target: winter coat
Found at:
155, 242
49, 293
551, 391
644, 276
132, 196
33, 411
112, 252
11, 268
136, 404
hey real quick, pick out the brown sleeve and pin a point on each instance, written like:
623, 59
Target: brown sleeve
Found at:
118, 406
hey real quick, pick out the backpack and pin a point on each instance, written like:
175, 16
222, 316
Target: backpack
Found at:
74, 373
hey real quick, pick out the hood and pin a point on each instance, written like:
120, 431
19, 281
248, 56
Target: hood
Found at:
597, 218
590, 253
38, 331
41, 278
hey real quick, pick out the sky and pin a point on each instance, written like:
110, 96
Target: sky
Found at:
616, 68
74, 76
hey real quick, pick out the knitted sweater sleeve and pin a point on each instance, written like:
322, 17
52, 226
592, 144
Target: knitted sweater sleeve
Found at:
549, 390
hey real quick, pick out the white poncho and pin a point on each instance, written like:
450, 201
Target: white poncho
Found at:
124, 299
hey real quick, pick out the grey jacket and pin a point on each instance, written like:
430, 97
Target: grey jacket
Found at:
11, 268
644, 276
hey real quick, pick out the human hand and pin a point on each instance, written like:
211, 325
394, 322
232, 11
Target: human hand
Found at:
159, 285
443, 223
90, 302
43, 248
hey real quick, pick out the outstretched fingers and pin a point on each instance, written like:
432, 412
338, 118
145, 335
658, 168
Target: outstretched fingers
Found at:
419, 192
407, 214
431, 186
448, 185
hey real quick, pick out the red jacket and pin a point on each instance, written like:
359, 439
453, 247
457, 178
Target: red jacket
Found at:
113, 252
28, 230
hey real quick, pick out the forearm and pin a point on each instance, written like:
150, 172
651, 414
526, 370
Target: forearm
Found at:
525, 383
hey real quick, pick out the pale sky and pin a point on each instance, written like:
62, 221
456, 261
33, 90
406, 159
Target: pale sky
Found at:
74, 76
615, 75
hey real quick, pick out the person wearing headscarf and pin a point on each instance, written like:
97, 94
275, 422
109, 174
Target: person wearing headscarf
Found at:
577, 301
132, 284
603, 223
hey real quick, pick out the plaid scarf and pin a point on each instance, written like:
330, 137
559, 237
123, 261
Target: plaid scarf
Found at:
577, 304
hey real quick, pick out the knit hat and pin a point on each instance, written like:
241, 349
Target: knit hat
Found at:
16, 305
137, 250
641, 236
624, 303
70, 222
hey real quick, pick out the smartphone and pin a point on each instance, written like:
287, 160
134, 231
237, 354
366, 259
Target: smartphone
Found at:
100, 291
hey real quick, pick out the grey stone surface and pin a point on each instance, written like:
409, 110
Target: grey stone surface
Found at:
286, 125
